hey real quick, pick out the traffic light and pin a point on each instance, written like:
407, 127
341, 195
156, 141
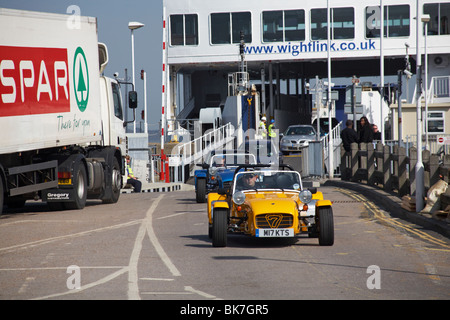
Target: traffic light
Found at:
142, 74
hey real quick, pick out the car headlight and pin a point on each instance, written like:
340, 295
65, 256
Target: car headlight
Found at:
305, 196
212, 171
239, 198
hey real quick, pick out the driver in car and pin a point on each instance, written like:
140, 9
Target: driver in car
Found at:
248, 181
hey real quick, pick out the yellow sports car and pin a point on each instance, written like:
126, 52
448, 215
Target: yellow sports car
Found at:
263, 202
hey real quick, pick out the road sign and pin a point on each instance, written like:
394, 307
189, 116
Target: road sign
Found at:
443, 140
349, 97
355, 80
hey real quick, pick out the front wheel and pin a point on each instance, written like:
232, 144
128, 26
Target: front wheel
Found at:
200, 192
325, 226
219, 227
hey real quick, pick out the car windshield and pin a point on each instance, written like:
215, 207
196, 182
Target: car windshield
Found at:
232, 159
300, 131
270, 179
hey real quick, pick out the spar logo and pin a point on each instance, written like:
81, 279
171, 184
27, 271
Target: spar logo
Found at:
33, 80
81, 79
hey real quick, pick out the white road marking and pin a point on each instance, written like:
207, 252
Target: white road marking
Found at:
157, 279
79, 234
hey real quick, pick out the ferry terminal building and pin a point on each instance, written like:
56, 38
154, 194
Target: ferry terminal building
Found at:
286, 49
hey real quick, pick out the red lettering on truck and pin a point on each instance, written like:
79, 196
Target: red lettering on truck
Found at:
33, 81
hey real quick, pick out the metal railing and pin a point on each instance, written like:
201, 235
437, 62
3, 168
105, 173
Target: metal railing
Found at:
336, 142
195, 150
439, 89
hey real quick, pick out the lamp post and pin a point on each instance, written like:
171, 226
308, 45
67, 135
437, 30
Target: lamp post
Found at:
419, 169
381, 71
425, 19
329, 104
133, 26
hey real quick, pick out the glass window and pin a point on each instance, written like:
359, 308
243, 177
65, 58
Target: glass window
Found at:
117, 98
220, 28
183, 29
319, 24
373, 22
279, 26
294, 25
241, 22
444, 14
343, 23
176, 30
436, 122
226, 27
439, 16
396, 21
272, 26
190, 29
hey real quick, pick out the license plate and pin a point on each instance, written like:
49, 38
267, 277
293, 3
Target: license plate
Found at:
274, 233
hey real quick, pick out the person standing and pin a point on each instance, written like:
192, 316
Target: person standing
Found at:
365, 132
376, 133
262, 128
348, 135
271, 131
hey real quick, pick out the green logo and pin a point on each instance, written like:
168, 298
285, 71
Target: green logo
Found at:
81, 79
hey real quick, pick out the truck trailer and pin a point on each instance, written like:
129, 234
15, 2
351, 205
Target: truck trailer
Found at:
61, 122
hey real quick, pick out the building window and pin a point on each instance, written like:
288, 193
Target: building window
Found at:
436, 122
396, 21
342, 23
439, 18
183, 29
280, 26
226, 27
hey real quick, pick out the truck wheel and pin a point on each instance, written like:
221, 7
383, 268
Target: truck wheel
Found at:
219, 227
80, 187
200, 191
116, 183
325, 226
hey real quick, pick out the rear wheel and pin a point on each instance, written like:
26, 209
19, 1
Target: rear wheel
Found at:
80, 187
325, 226
219, 227
116, 183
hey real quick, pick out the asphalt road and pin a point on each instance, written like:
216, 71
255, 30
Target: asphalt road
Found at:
154, 246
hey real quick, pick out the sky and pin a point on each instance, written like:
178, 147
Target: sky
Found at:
112, 20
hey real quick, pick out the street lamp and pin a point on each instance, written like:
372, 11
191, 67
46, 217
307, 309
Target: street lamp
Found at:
133, 26
419, 168
425, 19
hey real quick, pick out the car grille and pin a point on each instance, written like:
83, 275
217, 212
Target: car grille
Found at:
227, 184
274, 220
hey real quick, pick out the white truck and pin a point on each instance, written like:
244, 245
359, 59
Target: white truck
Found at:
61, 121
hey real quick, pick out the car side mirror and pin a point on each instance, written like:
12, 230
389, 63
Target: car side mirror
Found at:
132, 99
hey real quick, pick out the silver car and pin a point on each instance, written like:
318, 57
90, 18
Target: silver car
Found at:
297, 137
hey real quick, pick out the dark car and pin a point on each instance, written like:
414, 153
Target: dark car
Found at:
218, 170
